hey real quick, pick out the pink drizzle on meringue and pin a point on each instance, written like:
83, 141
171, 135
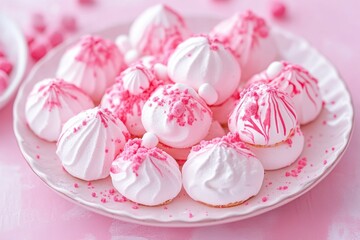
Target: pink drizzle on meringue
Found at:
264, 115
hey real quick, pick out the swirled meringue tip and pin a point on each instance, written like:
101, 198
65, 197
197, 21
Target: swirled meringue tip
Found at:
215, 61
92, 64
89, 142
148, 176
177, 116
301, 86
121, 100
249, 38
264, 115
136, 79
282, 154
222, 172
157, 31
51, 103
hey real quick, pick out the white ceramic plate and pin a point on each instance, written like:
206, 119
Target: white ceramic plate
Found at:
13, 42
326, 140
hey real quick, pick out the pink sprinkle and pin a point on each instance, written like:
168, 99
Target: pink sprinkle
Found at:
324, 122
191, 215
76, 185
325, 162
37, 51
333, 149
37, 146
120, 199
86, 2
103, 200
165, 207
37, 156
6, 66
29, 39
264, 199
278, 9
55, 38
69, 23
335, 116
106, 150
93, 194
135, 207
38, 22
112, 191
89, 183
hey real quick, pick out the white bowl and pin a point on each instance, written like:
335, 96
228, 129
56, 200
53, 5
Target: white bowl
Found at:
13, 42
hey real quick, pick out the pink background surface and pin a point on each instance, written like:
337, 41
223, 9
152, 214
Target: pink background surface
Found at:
30, 210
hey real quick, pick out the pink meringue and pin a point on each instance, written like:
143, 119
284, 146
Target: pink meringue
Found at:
222, 172
51, 103
207, 66
157, 31
89, 142
299, 84
177, 116
264, 115
92, 65
249, 37
128, 95
148, 176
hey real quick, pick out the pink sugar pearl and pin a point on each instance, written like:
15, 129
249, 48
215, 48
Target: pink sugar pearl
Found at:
278, 9
6, 66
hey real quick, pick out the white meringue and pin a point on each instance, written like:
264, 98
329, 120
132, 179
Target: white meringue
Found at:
51, 103
89, 142
263, 116
303, 89
222, 172
136, 79
128, 95
147, 176
281, 154
181, 154
157, 31
221, 113
177, 116
92, 65
250, 39
199, 60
